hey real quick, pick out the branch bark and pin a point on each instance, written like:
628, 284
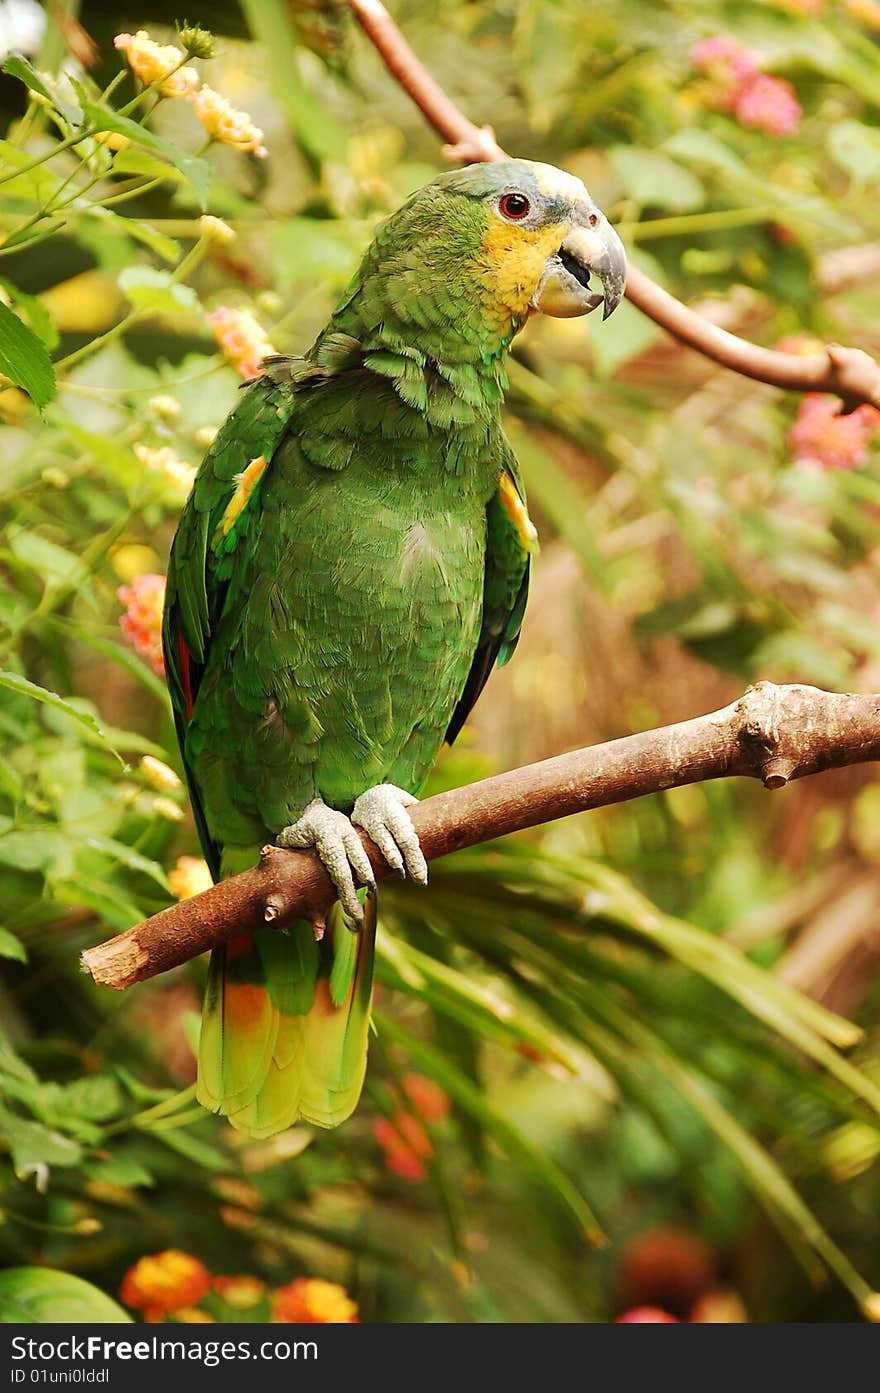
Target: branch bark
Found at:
776, 734
849, 373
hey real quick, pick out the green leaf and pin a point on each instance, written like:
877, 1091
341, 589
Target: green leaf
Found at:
158, 242
127, 856
34, 1146
55, 564
35, 850
856, 149
147, 288
14, 682
120, 1170
40, 1296
17, 66
12, 947
652, 179
196, 171
38, 316
96, 1097
24, 358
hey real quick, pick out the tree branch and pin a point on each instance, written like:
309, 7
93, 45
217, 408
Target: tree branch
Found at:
849, 373
776, 734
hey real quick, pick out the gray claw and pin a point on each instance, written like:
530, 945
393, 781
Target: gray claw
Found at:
341, 851
382, 813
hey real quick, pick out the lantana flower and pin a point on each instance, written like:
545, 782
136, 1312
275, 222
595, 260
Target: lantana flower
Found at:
190, 876
158, 63
144, 599
243, 340
176, 473
223, 122
736, 84
822, 436
312, 1301
164, 1282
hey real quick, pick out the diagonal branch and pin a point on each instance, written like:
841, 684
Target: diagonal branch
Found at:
849, 373
772, 733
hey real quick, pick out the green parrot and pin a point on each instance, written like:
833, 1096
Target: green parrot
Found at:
351, 563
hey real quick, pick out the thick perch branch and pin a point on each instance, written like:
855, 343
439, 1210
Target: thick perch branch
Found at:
848, 372
772, 733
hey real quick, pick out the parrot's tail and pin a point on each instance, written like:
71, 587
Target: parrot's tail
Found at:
285, 1025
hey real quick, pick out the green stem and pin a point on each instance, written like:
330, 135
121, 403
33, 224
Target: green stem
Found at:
50, 155
694, 222
133, 317
150, 1115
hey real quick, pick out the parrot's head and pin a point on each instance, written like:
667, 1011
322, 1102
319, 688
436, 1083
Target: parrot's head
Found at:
509, 238
540, 238
458, 269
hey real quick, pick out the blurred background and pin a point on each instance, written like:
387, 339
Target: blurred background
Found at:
627, 1061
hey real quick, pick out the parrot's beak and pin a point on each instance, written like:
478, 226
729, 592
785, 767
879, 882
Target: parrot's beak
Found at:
591, 246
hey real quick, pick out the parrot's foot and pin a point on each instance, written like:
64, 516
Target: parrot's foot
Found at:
382, 812
340, 849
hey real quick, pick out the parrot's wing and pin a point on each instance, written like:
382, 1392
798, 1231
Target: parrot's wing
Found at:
217, 523
510, 541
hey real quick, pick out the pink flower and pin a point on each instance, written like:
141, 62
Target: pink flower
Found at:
768, 104
141, 623
822, 436
723, 55
736, 84
244, 341
646, 1315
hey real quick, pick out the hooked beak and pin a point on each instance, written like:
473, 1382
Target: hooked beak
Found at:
592, 245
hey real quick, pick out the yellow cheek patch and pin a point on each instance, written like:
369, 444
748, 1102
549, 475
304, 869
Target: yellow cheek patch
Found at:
245, 484
516, 511
516, 256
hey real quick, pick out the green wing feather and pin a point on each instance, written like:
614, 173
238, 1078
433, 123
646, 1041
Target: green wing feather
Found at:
505, 593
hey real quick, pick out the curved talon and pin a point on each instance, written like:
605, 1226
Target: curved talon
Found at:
382, 813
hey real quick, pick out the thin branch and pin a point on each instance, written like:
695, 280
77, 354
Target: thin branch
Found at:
772, 733
849, 373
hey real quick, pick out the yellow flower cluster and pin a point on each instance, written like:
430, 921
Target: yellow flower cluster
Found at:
224, 123
176, 473
162, 65
157, 63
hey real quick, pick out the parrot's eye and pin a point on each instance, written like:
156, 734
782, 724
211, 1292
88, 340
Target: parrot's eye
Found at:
514, 206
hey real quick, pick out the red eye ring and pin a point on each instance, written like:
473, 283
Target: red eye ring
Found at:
514, 206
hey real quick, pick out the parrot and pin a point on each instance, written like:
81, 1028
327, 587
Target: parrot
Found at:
352, 562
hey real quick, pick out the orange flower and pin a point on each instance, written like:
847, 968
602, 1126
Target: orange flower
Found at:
312, 1301
189, 877
141, 623
427, 1097
164, 1282
239, 1292
243, 340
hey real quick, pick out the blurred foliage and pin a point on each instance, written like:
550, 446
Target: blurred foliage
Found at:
634, 1015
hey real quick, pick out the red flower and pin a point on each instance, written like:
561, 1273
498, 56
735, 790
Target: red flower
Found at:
427, 1097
